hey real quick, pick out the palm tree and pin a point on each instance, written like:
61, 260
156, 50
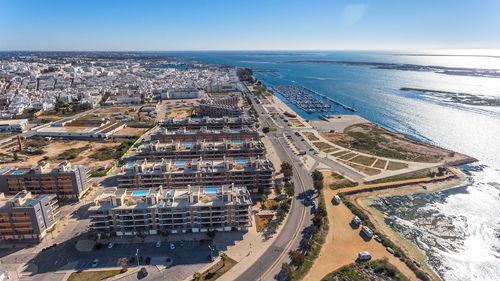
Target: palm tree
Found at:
196, 276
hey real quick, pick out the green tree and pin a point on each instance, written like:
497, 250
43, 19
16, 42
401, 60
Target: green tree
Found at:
287, 271
197, 276
297, 257
265, 130
287, 170
15, 156
289, 189
317, 177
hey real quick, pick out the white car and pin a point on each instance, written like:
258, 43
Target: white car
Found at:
110, 245
158, 244
95, 262
172, 246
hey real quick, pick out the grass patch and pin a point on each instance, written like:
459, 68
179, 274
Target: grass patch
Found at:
218, 269
348, 155
363, 169
380, 164
310, 136
323, 146
92, 275
339, 153
262, 222
363, 160
108, 153
396, 166
373, 270
72, 153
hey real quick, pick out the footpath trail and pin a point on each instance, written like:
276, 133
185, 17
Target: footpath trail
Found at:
343, 242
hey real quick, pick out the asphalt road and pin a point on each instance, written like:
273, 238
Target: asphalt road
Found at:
299, 218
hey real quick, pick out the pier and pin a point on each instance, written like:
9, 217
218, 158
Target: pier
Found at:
330, 99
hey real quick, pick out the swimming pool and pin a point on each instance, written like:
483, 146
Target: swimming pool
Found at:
241, 161
186, 143
130, 165
210, 190
139, 193
17, 173
178, 163
237, 142
145, 146
235, 132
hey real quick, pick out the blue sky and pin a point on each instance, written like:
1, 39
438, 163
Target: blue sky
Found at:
248, 25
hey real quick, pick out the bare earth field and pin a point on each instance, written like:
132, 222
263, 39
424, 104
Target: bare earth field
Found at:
54, 148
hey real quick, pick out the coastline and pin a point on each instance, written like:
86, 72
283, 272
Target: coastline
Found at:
364, 199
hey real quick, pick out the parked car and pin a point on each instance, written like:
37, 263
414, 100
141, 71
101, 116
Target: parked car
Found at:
356, 220
143, 272
378, 239
336, 198
367, 231
364, 256
95, 262
390, 250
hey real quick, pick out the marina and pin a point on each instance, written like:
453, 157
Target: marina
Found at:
309, 100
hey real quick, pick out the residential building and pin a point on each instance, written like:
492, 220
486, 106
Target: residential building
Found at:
186, 135
26, 216
182, 94
156, 210
156, 151
193, 123
66, 181
254, 173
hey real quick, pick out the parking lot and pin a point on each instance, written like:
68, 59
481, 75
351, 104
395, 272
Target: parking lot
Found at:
182, 252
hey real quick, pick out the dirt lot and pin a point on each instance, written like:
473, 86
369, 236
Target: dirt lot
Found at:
335, 181
128, 131
57, 150
346, 242
375, 140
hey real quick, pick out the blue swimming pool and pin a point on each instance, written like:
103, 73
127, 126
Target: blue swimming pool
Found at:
145, 146
130, 165
235, 132
139, 193
241, 161
17, 173
178, 163
210, 190
186, 143
237, 142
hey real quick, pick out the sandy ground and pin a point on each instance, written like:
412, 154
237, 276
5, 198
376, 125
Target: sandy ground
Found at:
343, 243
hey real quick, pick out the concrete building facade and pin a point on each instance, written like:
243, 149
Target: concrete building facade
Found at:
156, 151
210, 123
185, 135
26, 216
66, 181
254, 173
156, 210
